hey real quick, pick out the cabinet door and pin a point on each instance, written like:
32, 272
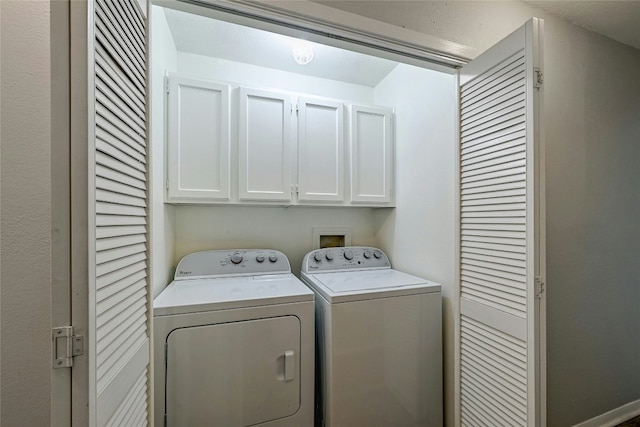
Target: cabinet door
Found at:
198, 141
372, 150
320, 150
264, 146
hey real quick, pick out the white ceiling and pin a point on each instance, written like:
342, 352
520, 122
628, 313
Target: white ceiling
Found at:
619, 20
219, 39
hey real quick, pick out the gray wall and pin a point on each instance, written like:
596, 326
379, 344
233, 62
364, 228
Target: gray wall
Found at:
25, 214
593, 234
592, 121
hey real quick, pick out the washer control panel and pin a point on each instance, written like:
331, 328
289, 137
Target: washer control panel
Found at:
347, 258
236, 262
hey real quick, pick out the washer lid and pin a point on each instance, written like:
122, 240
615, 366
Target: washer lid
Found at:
368, 284
197, 295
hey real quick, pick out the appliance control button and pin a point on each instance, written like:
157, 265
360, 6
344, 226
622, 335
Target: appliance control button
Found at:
237, 258
317, 257
377, 254
348, 255
260, 258
329, 256
367, 254
273, 257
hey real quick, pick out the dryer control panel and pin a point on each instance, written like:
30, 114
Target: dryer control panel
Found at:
235, 262
347, 258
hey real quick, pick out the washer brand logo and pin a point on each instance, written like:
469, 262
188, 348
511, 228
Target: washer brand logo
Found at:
186, 273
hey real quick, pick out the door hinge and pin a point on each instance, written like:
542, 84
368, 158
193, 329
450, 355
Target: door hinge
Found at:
167, 184
66, 346
540, 287
166, 85
538, 77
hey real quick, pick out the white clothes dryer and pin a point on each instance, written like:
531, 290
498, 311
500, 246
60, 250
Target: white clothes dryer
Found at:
234, 343
378, 341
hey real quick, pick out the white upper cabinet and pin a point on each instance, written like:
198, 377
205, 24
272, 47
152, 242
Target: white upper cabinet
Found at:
372, 155
264, 146
198, 141
282, 150
321, 150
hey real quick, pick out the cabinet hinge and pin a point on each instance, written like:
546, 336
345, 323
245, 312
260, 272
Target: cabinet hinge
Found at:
294, 190
167, 184
540, 287
166, 85
66, 346
538, 77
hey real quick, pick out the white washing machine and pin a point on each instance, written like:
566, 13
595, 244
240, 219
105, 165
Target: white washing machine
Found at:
234, 343
378, 341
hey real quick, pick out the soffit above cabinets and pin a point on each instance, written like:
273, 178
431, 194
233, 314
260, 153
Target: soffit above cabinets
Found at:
219, 39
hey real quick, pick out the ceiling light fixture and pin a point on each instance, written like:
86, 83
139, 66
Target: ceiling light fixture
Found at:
302, 52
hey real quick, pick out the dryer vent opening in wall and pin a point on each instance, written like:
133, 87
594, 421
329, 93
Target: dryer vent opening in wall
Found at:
331, 237
332, 241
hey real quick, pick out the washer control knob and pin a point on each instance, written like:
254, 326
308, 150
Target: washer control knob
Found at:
273, 257
260, 258
317, 257
329, 256
367, 254
348, 255
236, 258
377, 254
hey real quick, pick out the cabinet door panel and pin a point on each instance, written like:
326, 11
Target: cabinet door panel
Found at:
198, 140
264, 146
372, 150
320, 150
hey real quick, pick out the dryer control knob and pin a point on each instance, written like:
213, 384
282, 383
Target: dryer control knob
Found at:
317, 257
260, 258
273, 258
367, 254
377, 254
329, 256
236, 258
348, 255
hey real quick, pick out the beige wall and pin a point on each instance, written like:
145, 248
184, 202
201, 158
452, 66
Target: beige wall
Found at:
25, 214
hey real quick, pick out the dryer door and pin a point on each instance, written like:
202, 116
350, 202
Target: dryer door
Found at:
233, 374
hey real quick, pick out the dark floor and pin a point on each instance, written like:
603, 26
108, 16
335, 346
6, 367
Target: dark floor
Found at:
633, 422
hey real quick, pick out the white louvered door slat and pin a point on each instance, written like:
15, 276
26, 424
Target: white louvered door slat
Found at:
499, 367
119, 315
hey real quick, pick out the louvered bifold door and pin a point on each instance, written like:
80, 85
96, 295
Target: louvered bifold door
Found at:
119, 345
498, 342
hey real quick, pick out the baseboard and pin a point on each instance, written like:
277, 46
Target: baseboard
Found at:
614, 417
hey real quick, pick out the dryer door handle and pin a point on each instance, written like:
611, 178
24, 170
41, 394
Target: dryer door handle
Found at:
289, 365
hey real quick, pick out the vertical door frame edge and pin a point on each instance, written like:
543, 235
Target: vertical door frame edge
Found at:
540, 193
60, 200
81, 32
457, 273
536, 356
